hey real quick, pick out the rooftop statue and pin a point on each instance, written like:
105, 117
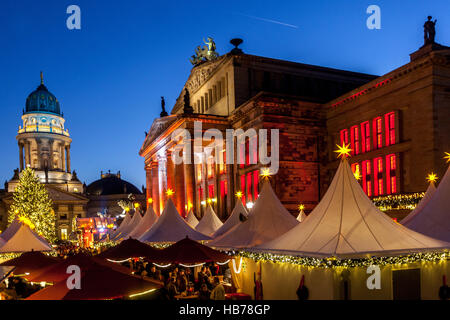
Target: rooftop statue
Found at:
430, 30
205, 53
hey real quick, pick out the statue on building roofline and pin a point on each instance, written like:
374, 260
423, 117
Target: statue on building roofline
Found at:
430, 30
205, 53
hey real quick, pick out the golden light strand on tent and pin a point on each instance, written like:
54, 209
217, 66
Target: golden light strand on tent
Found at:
432, 177
335, 263
398, 201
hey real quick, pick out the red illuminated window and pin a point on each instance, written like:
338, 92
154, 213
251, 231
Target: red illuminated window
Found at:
243, 188
254, 151
223, 189
255, 184
242, 155
391, 175
344, 136
366, 177
378, 181
249, 187
355, 140
389, 120
378, 133
365, 133
356, 168
211, 191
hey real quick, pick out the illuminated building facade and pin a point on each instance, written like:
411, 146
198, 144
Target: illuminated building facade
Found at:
398, 126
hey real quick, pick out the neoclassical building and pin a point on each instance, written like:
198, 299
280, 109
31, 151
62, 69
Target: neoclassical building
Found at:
398, 126
44, 145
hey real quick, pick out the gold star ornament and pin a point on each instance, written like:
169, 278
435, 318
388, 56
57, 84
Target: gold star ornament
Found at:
343, 151
432, 178
238, 194
169, 192
447, 157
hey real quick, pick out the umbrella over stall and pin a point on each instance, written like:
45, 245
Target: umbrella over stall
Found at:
30, 262
130, 248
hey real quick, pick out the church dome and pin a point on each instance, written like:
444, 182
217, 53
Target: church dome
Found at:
111, 184
41, 100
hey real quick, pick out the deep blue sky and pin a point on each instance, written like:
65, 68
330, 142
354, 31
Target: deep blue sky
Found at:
109, 76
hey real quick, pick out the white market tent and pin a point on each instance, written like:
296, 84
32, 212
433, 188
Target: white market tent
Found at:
346, 224
122, 226
191, 219
433, 219
267, 220
209, 223
24, 240
146, 223
426, 198
134, 222
301, 216
171, 227
11, 230
233, 219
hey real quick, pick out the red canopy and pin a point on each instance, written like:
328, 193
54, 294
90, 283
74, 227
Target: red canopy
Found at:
190, 252
58, 272
30, 262
97, 283
130, 248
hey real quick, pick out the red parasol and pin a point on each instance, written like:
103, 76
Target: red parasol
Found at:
98, 283
29, 262
130, 248
190, 252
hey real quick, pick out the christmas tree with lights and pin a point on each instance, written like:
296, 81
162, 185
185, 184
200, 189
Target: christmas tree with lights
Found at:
31, 201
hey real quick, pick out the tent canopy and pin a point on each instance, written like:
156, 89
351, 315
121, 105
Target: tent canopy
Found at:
122, 226
134, 222
11, 230
347, 224
30, 261
426, 198
190, 252
267, 220
146, 223
191, 219
209, 223
233, 220
433, 219
129, 248
23, 240
171, 227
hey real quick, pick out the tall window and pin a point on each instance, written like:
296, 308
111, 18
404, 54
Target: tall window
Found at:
355, 140
344, 136
211, 191
243, 189
378, 133
389, 120
64, 234
366, 177
365, 133
249, 187
378, 171
391, 175
255, 184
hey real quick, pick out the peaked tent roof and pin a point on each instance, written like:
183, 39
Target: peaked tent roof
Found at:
146, 223
301, 216
209, 223
434, 218
24, 240
171, 227
347, 224
191, 219
267, 220
11, 230
233, 219
426, 198
134, 222
122, 226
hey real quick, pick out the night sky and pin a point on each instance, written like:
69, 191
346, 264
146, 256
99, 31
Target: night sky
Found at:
109, 75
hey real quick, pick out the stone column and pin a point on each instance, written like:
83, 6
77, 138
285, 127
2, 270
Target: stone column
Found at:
21, 155
63, 157
189, 181
155, 186
148, 182
68, 159
179, 185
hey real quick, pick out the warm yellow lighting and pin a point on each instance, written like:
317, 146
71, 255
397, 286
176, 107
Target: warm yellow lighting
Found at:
432, 178
447, 156
301, 207
27, 222
265, 173
169, 192
142, 293
238, 194
357, 174
209, 201
343, 151
150, 200
127, 209
137, 205
203, 203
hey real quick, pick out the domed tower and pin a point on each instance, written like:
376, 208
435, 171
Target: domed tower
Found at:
44, 143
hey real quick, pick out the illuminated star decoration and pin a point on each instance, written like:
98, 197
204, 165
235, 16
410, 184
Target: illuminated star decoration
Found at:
238, 194
209, 200
150, 200
357, 174
169, 192
432, 178
265, 173
343, 151
447, 157
301, 207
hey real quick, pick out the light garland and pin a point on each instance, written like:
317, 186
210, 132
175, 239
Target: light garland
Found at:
192, 266
141, 293
335, 263
240, 266
223, 263
162, 266
398, 201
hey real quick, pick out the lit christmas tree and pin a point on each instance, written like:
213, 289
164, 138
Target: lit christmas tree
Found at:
31, 201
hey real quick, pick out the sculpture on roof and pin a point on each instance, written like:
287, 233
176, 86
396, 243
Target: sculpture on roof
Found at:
205, 53
430, 30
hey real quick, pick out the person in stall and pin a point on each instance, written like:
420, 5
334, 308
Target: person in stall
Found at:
218, 293
204, 293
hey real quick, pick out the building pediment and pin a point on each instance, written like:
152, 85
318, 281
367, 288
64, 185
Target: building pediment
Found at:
159, 125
